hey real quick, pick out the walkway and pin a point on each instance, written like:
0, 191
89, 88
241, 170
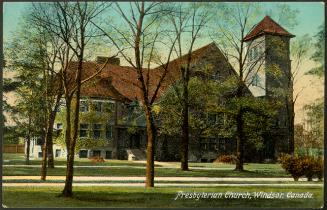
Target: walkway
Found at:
140, 178
89, 181
118, 166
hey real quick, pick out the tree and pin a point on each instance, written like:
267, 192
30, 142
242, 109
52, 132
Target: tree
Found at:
26, 57
319, 54
234, 23
139, 43
188, 21
306, 141
299, 51
315, 111
71, 22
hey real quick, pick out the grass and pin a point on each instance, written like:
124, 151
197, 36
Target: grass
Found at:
158, 181
125, 171
18, 159
158, 197
223, 170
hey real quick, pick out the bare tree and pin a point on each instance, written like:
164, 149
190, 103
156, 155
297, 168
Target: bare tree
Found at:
188, 21
139, 44
71, 22
299, 52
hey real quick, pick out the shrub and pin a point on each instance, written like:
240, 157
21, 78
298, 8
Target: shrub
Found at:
97, 159
231, 159
292, 164
318, 168
302, 166
307, 165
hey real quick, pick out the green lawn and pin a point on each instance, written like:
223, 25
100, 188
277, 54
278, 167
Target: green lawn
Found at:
157, 197
125, 171
223, 170
18, 159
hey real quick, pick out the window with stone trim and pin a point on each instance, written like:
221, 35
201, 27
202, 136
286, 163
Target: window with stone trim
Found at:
84, 106
83, 130
108, 107
255, 80
98, 106
97, 130
108, 131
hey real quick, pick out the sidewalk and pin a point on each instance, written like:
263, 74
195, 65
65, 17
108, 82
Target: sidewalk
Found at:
120, 166
135, 181
140, 178
156, 184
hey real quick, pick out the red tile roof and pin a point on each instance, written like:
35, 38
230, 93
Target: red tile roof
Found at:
120, 82
267, 26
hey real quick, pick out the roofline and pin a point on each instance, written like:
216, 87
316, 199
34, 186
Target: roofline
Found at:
271, 33
246, 39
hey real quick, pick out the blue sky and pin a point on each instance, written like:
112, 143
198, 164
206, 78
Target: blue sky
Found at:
311, 15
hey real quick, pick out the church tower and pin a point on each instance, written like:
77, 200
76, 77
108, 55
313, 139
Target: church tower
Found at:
270, 77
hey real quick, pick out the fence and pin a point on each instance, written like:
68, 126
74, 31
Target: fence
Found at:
13, 148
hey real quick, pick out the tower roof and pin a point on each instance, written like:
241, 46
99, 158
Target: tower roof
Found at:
267, 26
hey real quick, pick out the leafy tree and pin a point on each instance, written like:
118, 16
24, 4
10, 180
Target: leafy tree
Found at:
234, 22
25, 57
315, 111
306, 140
315, 116
319, 53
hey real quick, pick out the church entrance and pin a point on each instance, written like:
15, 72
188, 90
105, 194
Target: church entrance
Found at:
134, 141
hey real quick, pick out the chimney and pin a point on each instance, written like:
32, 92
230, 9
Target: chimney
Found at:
112, 60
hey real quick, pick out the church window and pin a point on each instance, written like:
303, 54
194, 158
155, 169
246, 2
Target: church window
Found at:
98, 106
108, 131
84, 107
255, 80
83, 128
97, 131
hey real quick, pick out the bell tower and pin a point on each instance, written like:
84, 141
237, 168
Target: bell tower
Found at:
270, 77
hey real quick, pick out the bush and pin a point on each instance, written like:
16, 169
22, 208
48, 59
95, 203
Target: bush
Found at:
307, 164
302, 166
292, 164
231, 159
97, 159
318, 168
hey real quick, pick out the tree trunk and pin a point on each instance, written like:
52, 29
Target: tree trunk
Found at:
52, 118
47, 150
67, 192
68, 189
185, 134
239, 142
28, 142
291, 131
50, 153
115, 133
44, 157
150, 130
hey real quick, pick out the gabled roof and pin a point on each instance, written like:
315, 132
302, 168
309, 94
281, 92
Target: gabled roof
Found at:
121, 83
267, 26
